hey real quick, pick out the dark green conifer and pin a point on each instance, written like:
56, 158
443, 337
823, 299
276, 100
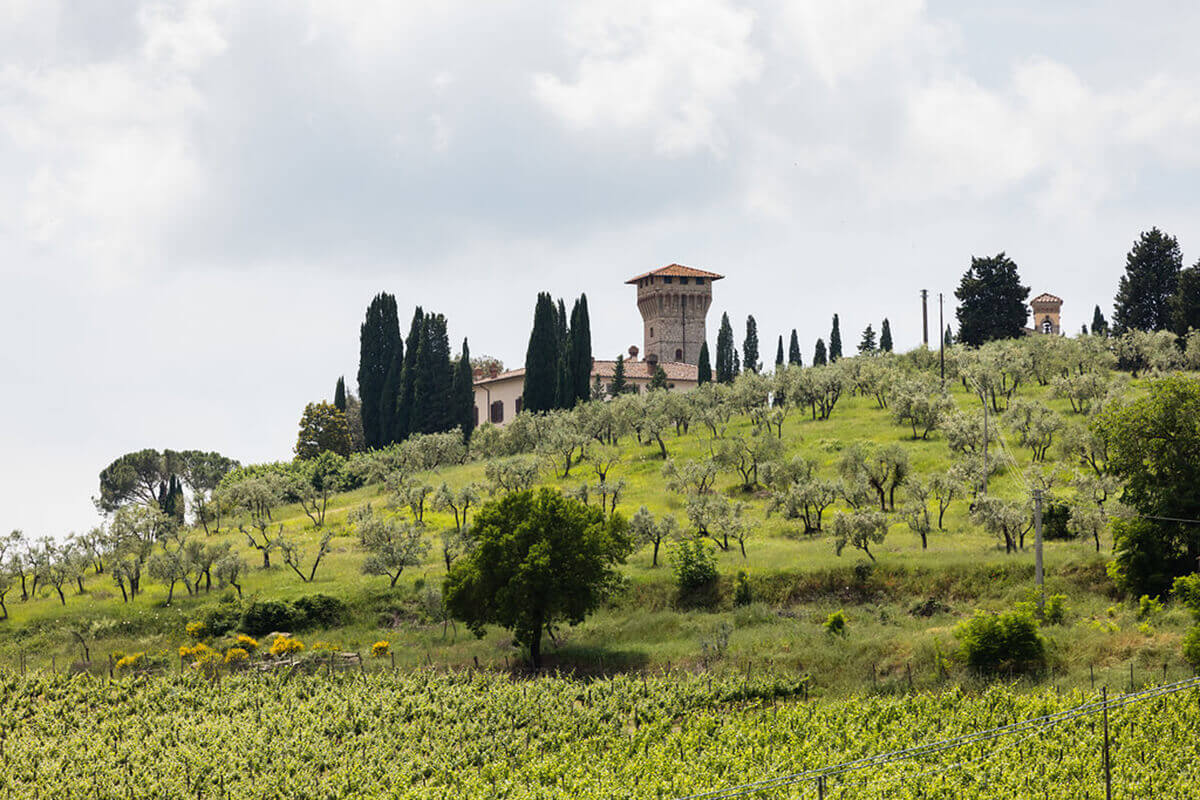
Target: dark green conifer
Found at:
885, 337
541, 358
794, 350
379, 339
339, 395
402, 411
464, 393
704, 368
433, 408
725, 351
750, 346
835, 341
779, 354
819, 358
619, 386
581, 349
1099, 323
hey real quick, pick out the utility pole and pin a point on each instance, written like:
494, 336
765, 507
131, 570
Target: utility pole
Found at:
942, 340
925, 316
1037, 549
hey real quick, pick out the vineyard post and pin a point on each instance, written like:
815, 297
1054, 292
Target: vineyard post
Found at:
1107, 764
1092, 672
1131, 676
821, 787
1037, 545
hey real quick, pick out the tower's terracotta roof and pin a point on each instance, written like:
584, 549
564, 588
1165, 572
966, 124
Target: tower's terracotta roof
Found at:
677, 271
1045, 297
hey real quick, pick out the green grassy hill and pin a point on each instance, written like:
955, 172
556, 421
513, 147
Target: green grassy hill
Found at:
894, 634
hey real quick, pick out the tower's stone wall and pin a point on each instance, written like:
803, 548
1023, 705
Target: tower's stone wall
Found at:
674, 312
1047, 313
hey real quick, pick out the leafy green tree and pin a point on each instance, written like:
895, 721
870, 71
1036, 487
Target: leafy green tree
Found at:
885, 337
462, 392
322, 429
704, 367
725, 352
645, 530
859, 529
313, 481
1185, 303
794, 350
779, 361
659, 379
201, 472
750, 346
537, 558
1099, 323
133, 531
991, 301
541, 358
819, 358
379, 341
866, 345
1151, 278
339, 394
138, 477
1154, 450
392, 544
835, 340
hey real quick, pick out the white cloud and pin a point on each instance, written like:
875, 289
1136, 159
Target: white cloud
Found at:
671, 69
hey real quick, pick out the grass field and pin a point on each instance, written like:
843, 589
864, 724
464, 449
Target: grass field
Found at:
797, 582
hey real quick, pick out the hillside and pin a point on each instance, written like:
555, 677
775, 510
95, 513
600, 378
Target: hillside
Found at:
901, 608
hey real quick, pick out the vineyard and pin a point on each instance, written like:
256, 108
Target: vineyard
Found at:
472, 734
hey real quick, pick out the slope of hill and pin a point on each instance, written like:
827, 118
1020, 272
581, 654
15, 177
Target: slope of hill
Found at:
901, 608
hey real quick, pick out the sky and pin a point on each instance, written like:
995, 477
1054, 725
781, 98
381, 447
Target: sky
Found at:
201, 197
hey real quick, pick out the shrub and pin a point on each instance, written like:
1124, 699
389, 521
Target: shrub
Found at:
381, 649
1186, 590
286, 646
236, 656
835, 623
1056, 609
196, 630
742, 593
1054, 521
1009, 641
265, 616
1148, 607
246, 643
129, 663
221, 619
1191, 647
319, 611
695, 566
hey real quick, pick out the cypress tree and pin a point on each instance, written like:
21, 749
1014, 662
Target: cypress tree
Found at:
433, 408
389, 397
659, 380
581, 350
339, 394
541, 358
819, 353
750, 346
835, 341
618, 386
737, 365
779, 353
402, 413
867, 343
885, 337
794, 350
464, 393
725, 351
379, 339
704, 368
948, 337
1099, 323
1185, 304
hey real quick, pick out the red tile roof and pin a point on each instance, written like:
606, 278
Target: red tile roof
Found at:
1046, 297
676, 371
677, 271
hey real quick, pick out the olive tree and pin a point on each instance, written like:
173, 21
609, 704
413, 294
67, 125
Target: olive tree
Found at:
392, 544
859, 529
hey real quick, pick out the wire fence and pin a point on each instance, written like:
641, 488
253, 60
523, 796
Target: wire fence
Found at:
1031, 728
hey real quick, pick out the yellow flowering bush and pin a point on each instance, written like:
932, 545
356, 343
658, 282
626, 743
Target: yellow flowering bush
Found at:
236, 657
286, 646
247, 643
129, 662
381, 648
196, 630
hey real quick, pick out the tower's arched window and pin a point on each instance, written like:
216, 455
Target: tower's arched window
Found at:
1047, 327
678, 354
652, 333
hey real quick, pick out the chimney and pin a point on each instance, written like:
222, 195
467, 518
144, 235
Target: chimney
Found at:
652, 360
633, 352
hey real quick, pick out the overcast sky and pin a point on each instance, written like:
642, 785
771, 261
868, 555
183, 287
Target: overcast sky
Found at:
200, 198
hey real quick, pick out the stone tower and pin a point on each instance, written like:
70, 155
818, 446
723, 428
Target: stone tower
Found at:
674, 303
1047, 310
